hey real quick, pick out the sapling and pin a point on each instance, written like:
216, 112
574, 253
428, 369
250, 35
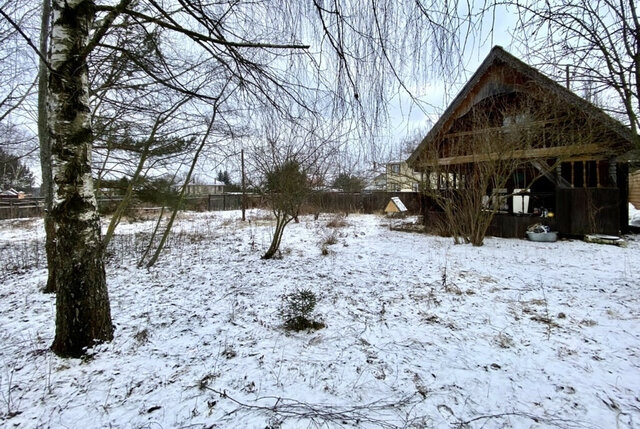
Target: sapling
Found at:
297, 310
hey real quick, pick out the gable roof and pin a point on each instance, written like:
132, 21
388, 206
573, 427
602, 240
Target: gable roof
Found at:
499, 56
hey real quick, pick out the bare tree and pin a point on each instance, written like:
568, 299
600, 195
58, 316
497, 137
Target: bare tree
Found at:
287, 187
595, 43
290, 161
17, 70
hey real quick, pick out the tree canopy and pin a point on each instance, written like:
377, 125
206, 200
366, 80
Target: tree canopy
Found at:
14, 173
348, 183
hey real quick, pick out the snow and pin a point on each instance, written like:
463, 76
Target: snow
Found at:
420, 332
634, 215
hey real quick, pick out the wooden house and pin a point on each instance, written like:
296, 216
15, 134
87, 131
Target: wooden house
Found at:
401, 178
552, 152
195, 189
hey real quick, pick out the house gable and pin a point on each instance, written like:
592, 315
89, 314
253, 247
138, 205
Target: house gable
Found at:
503, 77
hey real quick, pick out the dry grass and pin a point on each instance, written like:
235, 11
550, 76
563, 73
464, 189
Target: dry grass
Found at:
337, 222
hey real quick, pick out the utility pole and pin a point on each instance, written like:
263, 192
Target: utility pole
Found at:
244, 189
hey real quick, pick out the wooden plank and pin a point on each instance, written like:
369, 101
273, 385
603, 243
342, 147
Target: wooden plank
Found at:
563, 152
501, 129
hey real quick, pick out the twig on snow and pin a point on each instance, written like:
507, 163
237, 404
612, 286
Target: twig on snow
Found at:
357, 414
537, 419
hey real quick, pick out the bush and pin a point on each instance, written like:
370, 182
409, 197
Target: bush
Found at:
330, 238
337, 222
297, 309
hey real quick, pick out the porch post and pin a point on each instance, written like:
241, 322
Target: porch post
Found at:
613, 171
573, 174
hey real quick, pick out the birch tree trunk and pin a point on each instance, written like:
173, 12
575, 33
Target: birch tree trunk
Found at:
83, 316
45, 146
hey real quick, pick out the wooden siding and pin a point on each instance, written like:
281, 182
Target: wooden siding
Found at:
563, 152
588, 210
634, 189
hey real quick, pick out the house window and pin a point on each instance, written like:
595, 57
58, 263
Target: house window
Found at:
395, 168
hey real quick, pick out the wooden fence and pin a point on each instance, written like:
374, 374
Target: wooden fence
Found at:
18, 208
334, 202
366, 202
223, 202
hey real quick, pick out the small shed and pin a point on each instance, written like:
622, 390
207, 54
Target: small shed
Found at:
395, 206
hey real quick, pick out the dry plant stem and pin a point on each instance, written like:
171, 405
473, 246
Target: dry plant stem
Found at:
546, 311
286, 407
552, 421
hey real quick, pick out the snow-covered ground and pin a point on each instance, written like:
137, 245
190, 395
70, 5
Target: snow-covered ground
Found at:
419, 332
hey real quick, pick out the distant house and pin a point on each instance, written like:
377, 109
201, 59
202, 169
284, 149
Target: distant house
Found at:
401, 178
573, 163
377, 183
209, 189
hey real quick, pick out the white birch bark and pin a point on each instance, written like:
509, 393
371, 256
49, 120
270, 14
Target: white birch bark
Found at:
83, 315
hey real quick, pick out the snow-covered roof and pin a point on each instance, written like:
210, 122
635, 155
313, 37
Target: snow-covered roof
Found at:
9, 193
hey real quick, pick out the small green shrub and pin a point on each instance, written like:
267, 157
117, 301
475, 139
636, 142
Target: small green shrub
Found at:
297, 310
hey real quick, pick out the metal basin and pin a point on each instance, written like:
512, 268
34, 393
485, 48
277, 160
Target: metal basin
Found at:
543, 236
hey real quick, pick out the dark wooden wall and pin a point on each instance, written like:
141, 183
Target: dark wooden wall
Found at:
588, 210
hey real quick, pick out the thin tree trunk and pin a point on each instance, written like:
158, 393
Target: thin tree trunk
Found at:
273, 248
45, 147
244, 187
163, 240
281, 222
83, 315
151, 239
